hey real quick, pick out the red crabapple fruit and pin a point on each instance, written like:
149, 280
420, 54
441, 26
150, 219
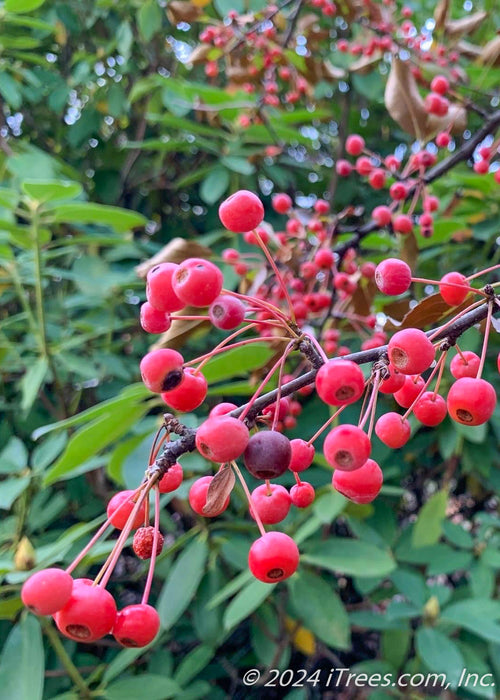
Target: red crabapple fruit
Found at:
161, 370
47, 591
273, 557
222, 439
121, 506
198, 497
241, 212
393, 430
410, 351
271, 503
471, 401
362, 485
172, 479
197, 282
339, 382
393, 276
346, 447
136, 625
190, 394
268, 454
89, 614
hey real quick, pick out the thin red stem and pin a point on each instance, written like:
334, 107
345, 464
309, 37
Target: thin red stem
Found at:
156, 533
278, 274
249, 499
325, 425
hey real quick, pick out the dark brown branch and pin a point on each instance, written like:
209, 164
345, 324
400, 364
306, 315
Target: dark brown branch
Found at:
460, 155
175, 449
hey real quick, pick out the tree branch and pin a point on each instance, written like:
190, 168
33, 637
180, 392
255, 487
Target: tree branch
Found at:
450, 332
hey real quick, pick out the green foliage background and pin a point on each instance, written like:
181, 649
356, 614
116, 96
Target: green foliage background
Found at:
104, 158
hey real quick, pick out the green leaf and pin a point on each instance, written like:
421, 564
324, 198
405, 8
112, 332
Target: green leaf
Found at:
11, 489
31, 383
350, 557
457, 535
440, 654
124, 39
120, 220
153, 686
149, 19
320, 609
49, 190
129, 397
122, 660
238, 165
93, 438
394, 646
182, 582
478, 615
20, 6
230, 589
412, 585
246, 602
8, 198
193, 663
22, 663
225, 6
214, 185
429, 525
9, 89
329, 505
238, 361
14, 457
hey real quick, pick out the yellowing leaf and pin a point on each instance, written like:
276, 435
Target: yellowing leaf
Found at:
302, 639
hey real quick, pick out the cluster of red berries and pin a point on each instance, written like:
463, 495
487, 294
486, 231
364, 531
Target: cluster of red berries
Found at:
83, 610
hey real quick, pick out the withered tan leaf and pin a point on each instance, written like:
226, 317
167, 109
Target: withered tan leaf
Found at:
365, 64
490, 54
456, 28
219, 491
331, 71
406, 106
199, 54
179, 332
441, 13
182, 11
469, 50
176, 250
428, 312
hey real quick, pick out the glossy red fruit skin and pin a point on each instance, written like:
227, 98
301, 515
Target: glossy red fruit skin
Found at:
302, 494
136, 625
197, 282
362, 485
430, 409
222, 439
119, 513
453, 296
222, 409
354, 144
346, 447
161, 370
172, 479
302, 455
459, 368
382, 215
471, 401
393, 276
159, 290
268, 454
272, 508
273, 557
409, 391
241, 212
410, 351
339, 382
226, 312
47, 591
154, 321
89, 614
198, 496
282, 203
394, 382
190, 394
392, 430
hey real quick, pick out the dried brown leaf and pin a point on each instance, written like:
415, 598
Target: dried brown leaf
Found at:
441, 13
409, 250
199, 54
219, 491
307, 22
469, 50
406, 106
429, 311
176, 250
490, 54
456, 28
331, 71
179, 332
182, 11
365, 64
